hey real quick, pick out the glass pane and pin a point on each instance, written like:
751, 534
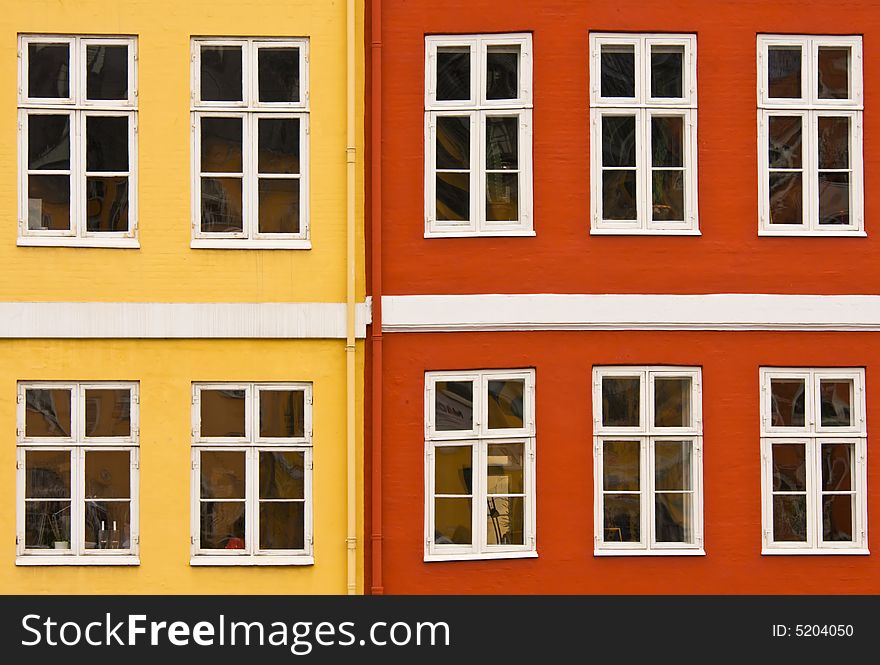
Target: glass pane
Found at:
502, 196
667, 143
672, 402
453, 405
282, 413
107, 474
502, 72
221, 145
786, 198
667, 196
108, 412
107, 204
833, 198
222, 525
222, 412
107, 71
837, 467
784, 71
47, 474
618, 77
453, 73
505, 520
790, 518
221, 73
282, 474
673, 518
452, 521
47, 525
621, 518
502, 136
785, 141
836, 398
282, 525
620, 401
221, 205
833, 72
279, 205
789, 467
453, 470
278, 149
621, 461
278, 74
837, 517
506, 403
672, 465
107, 525
505, 468
667, 71
49, 70
787, 402
833, 142
47, 412
48, 202
49, 142
453, 196
106, 143
221, 474
619, 194
453, 142
618, 140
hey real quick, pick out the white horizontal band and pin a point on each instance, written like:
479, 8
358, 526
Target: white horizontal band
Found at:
717, 311
179, 320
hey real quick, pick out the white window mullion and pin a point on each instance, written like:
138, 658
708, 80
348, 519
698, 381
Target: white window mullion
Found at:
478, 172
77, 507
644, 169
649, 518
252, 500
479, 501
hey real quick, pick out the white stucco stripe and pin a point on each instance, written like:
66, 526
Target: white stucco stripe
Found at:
178, 320
716, 311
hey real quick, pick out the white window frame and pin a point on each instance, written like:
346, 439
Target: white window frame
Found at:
479, 438
77, 107
813, 435
810, 107
478, 108
643, 107
251, 110
77, 445
251, 445
648, 435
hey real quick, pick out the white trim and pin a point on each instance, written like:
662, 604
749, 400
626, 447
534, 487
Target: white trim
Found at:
317, 320
633, 552
37, 560
715, 311
428, 558
251, 560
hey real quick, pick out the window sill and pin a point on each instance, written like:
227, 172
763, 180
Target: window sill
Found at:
245, 243
74, 560
481, 234
645, 552
70, 241
481, 556
855, 551
798, 233
645, 232
251, 560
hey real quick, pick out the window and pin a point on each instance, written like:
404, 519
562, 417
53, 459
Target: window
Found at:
478, 136
250, 126
77, 129
480, 465
813, 440
77, 473
252, 474
810, 135
643, 132
648, 449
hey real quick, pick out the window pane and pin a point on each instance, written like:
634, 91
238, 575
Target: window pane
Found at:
505, 520
47, 525
789, 467
107, 71
784, 71
790, 518
453, 470
502, 136
618, 140
834, 198
47, 474
49, 142
453, 405
452, 521
786, 198
47, 412
672, 465
506, 403
833, 142
785, 141
221, 474
620, 401
107, 204
453, 73
108, 412
667, 196
49, 70
672, 402
837, 517
282, 413
279, 205
48, 202
502, 196
674, 518
278, 74
221, 145
667, 143
621, 518
502, 72
106, 143
505, 468
282, 474
618, 77
621, 465
836, 398
453, 196
837, 467
107, 525
221, 205
833, 72
787, 402
278, 150
667, 71
222, 525
453, 142
282, 525
222, 412
221, 73
107, 474
619, 194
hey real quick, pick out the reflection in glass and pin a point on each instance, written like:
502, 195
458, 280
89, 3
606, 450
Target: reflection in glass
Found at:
833, 72
107, 474
505, 468
278, 145
836, 460
672, 402
787, 402
47, 525
453, 405
282, 413
619, 194
837, 517
618, 140
222, 412
502, 196
505, 520
789, 467
48, 202
667, 190
785, 141
673, 517
506, 403
278, 205
107, 204
278, 74
221, 73
790, 518
836, 398
453, 470
833, 142
786, 198
108, 412
221, 205
620, 401
47, 412
502, 134
621, 465
222, 474
106, 143
48, 142
47, 474
48, 71
221, 145
784, 71
667, 71
834, 197
452, 521
453, 196
453, 142
502, 76
222, 525
621, 518
282, 474
667, 144
672, 465
47, 499
618, 71
107, 71
282, 525
282, 500
453, 73
107, 525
